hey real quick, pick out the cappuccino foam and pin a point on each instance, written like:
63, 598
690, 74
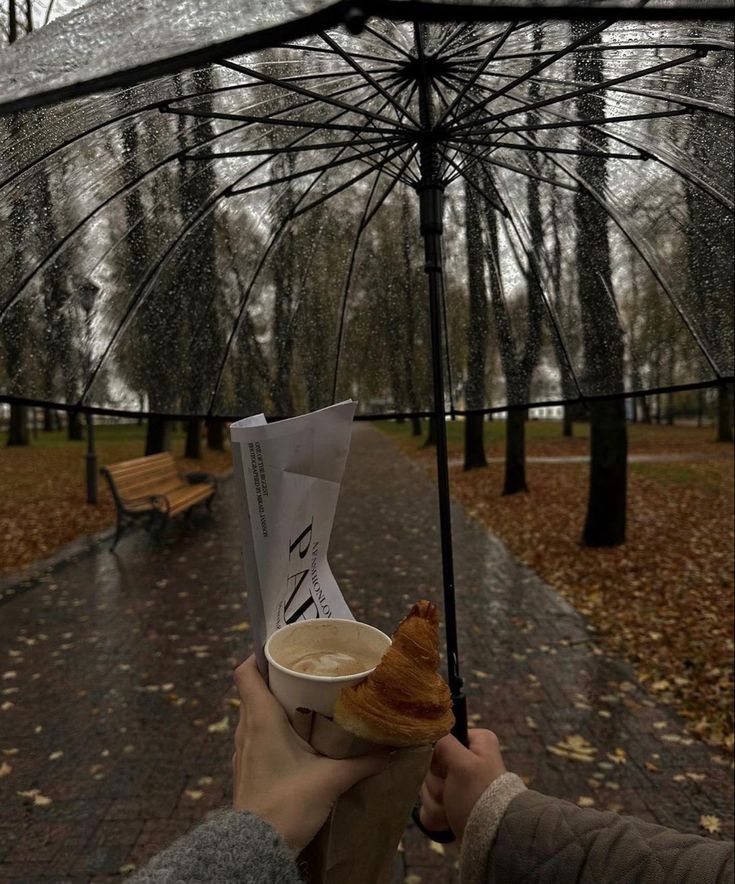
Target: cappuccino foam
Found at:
332, 663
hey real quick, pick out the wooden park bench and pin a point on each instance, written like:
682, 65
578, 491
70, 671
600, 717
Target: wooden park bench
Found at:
151, 488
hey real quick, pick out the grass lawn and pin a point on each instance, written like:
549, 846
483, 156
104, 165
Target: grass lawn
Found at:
43, 498
664, 599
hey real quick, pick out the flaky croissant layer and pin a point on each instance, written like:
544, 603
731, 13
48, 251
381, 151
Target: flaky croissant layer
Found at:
404, 701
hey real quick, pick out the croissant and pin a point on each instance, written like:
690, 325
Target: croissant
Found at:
404, 701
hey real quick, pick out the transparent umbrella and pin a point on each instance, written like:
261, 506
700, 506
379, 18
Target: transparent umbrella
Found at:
260, 232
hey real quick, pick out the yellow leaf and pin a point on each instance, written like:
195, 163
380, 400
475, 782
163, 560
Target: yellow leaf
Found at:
437, 848
194, 794
240, 627
5, 769
219, 727
585, 801
54, 756
710, 823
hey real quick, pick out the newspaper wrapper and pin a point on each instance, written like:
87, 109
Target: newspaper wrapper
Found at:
287, 480
358, 842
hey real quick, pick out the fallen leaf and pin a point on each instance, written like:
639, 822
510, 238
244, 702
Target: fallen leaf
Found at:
54, 756
585, 801
437, 848
194, 794
5, 769
219, 727
39, 800
710, 823
240, 627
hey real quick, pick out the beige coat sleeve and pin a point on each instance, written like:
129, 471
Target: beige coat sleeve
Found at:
536, 838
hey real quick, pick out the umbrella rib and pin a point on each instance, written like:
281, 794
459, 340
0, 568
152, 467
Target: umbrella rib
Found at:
570, 151
527, 75
476, 74
368, 78
153, 272
476, 187
308, 93
294, 213
272, 121
388, 42
322, 51
448, 56
275, 149
544, 295
615, 216
302, 173
369, 171
690, 103
69, 235
348, 279
584, 90
611, 47
592, 121
592, 124
459, 146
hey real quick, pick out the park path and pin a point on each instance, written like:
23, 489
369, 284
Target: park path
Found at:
116, 714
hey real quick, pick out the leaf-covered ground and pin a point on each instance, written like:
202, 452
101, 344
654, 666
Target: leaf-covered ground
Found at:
43, 497
663, 600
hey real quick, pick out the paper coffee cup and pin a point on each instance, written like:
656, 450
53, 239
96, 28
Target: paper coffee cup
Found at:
308, 690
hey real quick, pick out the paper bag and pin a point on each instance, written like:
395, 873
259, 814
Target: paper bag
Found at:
358, 843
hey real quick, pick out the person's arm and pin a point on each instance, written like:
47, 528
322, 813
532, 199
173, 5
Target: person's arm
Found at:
283, 792
230, 847
511, 835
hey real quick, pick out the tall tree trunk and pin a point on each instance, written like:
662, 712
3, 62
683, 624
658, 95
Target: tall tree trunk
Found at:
74, 428
415, 426
48, 420
158, 435
431, 435
605, 524
478, 326
193, 439
567, 422
700, 408
18, 427
215, 435
601, 332
474, 442
12, 22
725, 413
515, 452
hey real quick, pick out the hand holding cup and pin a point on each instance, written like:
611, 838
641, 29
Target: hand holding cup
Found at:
277, 775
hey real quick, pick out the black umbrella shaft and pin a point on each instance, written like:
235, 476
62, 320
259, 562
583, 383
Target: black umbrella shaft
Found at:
431, 196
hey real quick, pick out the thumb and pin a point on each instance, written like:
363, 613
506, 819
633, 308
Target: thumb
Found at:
346, 772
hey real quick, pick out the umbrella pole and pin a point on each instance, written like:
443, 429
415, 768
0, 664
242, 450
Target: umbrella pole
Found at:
431, 198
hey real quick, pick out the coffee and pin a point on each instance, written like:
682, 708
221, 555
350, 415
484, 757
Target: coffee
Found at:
332, 663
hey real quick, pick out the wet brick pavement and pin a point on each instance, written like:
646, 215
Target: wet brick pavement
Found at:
115, 683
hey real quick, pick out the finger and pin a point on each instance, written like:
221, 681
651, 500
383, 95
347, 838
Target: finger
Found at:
253, 690
341, 775
432, 813
449, 752
483, 742
434, 785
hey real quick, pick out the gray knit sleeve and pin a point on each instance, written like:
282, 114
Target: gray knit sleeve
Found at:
230, 847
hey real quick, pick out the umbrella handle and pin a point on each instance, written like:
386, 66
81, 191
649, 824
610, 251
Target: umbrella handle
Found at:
459, 707
441, 836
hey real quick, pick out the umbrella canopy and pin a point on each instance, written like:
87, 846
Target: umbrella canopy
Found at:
245, 236
255, 233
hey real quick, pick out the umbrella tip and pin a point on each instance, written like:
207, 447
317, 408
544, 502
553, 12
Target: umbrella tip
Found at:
355, 19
